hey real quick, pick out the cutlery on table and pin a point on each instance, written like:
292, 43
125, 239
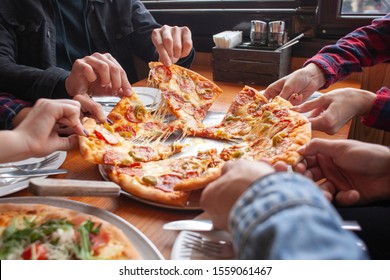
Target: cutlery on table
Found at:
207, 225
69, 187
33, 166
195, 245
31, 173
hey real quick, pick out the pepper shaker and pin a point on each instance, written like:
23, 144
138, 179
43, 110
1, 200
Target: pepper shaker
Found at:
258, 32
275, 33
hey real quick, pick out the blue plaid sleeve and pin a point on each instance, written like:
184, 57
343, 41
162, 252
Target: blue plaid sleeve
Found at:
10, 106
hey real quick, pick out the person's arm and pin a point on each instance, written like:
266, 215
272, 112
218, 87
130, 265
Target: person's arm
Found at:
12, 110
284, 216
355, 172
152, 42
379, 115
36, 135
366, 46
330, 111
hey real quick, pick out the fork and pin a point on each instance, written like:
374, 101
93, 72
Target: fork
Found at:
33, 166
207, 248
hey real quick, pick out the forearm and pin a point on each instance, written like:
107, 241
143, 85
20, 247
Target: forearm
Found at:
287, 217
30, 84
364, 47
13, 147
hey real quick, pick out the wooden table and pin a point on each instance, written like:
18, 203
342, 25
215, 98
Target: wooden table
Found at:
149, 219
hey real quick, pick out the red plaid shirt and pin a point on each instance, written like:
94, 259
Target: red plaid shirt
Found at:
366, 46
10, 106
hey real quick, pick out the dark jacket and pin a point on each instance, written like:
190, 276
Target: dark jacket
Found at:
28, 43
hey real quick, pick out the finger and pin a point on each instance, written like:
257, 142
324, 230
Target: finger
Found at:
80, 66
176, 44
121, 82
287, 91
314, 173
347, 198
329, 187
280, 166
309, 106
91, 107
273, 89
333, 173
296, 98
186, 38
330, 148
100, 67
113, 71
164, 56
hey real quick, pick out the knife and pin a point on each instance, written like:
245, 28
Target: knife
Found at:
70, 187
207, 225
191, 225
31, 173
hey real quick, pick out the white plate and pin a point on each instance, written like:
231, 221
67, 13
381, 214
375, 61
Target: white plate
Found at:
150, 97
142, 244
6, 186
181, 252
192, 204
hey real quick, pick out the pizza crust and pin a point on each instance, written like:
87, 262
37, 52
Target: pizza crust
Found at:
131, 185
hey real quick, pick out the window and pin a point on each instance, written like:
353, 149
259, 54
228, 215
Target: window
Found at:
364, 7
338, 17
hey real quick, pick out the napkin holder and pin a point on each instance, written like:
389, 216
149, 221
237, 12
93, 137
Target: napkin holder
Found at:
249, 64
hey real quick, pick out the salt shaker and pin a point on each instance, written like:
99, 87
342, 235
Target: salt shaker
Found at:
258, 32
275, 33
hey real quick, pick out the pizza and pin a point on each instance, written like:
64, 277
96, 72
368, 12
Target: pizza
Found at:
168, 181
186, 94
136, 149
104, 145
43, 232
276, 135
132, 120
240, 117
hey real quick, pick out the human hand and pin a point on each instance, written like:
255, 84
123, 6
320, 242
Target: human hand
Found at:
220, 195
298, 86
332, 110
38, 130
172, 43
354, 172
98, 75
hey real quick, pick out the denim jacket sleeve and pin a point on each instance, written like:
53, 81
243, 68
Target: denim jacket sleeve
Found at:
284, 216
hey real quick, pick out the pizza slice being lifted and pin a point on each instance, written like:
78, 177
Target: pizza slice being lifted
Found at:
187, 94
133, 121
105, 146
240, 117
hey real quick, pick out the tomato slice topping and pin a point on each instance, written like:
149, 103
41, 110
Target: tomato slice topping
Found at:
40, 252
103, 133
